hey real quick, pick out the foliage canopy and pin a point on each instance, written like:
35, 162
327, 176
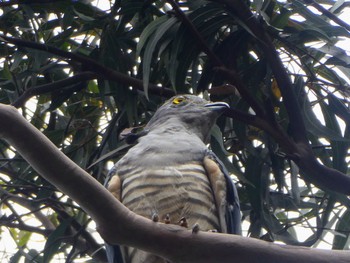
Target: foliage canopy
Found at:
82, 75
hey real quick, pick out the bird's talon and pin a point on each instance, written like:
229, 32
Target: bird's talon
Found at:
155, 217
195, 228
183, 222
167, 219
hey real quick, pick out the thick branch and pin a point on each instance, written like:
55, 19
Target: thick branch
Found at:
318, 174
300, 150
116, 222
312, 170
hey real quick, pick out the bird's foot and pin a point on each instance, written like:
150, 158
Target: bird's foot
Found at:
155, 217
183, 222
167, 219
195, 228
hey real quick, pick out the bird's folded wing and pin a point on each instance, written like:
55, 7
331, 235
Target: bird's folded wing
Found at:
225, 193
113, 185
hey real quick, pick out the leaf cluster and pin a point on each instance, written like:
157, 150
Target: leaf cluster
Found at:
82, 75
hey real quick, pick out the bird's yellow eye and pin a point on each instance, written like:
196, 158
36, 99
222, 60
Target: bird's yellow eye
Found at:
178, 100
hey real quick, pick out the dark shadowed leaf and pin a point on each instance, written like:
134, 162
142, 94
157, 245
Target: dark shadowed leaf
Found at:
55, 240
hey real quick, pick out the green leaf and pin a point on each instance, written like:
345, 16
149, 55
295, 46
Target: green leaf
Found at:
281, 20
335, 31
311, 18
83, 17
337, 54
17, 60
23, 238
336, 5
339, 149
148, 32
93, 87
5, 72
219, 149
55, 240
205, 13
150, 48
294, 172
342, 231
338, 107
216, 133
315, 127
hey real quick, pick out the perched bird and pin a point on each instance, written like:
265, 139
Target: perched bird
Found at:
170, 176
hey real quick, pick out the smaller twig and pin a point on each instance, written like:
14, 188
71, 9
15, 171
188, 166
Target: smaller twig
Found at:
90, 65
242, 89
273, 130
44, 232
232, 76
81, 238
34, 209
57, 85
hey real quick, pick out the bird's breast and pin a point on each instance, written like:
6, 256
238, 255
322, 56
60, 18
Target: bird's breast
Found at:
171, 193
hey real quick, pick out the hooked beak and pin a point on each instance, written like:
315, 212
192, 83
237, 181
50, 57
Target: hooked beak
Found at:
217, 106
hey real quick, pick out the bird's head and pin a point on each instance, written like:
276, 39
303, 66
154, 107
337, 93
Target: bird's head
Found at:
190, 112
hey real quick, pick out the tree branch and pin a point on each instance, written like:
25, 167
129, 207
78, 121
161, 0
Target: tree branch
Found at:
90, 65
299, 149
57, 85
84, 242
275, 131
30, 206
24, 227
296, 122
320, 175
115, 222
312, 170
232, 76
235, 80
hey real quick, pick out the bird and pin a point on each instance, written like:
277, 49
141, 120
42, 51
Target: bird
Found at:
170, 176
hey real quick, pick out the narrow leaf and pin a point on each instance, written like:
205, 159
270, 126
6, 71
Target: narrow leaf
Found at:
150, 48
54, 240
